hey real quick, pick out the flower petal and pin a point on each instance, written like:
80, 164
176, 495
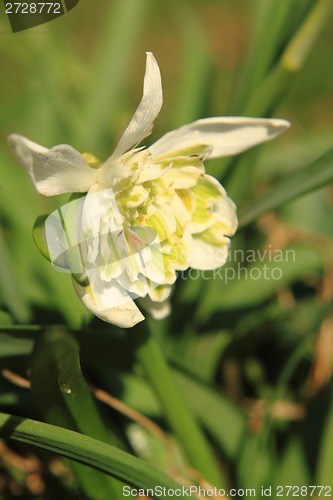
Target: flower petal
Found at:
205, 256
162, 220
158, 310
53, 171
226, 135
182, 178
124, 315
143, 119
100, 216
212, 204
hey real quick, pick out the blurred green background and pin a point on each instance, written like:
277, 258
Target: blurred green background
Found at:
254, 355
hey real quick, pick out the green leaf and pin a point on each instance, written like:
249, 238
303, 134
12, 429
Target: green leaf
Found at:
276, 84
5, 318
15, 345
201, 354
302, 42
39, 236
85, 450
245, 285
257, 461
219, 416
270, 91
193, 89
298, 183
325, 460
123, 22
10, 284
292, 466
268, 33
62, 395
176, 411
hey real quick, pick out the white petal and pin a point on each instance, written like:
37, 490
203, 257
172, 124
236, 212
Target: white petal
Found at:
226, 135
124, 315
100, 216
151, 171
213, 205
160, 293
106, 295
137, 288
181, 213
53, 171
154, 269
142, 122
182, 178
162, 220
205, 256
158, 310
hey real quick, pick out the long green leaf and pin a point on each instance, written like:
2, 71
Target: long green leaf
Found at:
61, 395
193, 90
268, 26
223, 421
220, 417
292, 468
175, 409
268, 94
85, 450
248, 285
63, 399
277, 82
15, 345
10, 284
124, 20
298, 183
325, 460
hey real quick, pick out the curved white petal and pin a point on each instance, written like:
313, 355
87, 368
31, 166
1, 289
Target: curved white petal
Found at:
100, 217
226, 135
205, 256
143, 119
124, 315
158, 310
182, 178
53, 171
214, 205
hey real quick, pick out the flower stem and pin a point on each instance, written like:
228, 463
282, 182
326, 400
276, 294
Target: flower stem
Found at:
149, 354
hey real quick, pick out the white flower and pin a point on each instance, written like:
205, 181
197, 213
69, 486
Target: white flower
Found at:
163, 187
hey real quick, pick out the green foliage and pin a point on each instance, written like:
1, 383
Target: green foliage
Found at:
250, 351
61, 396
89, 451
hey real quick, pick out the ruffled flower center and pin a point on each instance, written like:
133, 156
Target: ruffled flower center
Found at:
148, 216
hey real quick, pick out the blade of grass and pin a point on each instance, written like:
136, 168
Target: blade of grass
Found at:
250, 285
258, 460
85, 450
292, 468
273, 88
13, 346
10, 285
220, 417
325, 459
177, 413
269, 21
123, 22
300, 182
61, 397
196, 68
292, 60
